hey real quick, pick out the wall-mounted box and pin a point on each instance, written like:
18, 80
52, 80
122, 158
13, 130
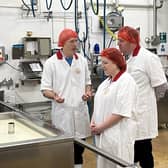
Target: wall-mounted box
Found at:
17, 51
37, 47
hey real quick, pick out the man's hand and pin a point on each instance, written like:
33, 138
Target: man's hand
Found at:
87, 95
58, 99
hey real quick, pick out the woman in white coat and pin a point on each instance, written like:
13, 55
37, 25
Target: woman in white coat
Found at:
66, 80
114, 121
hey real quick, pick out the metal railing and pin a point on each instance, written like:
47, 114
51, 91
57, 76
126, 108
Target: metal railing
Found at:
104, 154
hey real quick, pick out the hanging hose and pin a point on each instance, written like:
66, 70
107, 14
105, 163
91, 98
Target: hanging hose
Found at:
111, 39
68, 5
76, 15
25, 5
85, 35
104, 29
86, 22
96, 12
32, 7
28, 8
48, 6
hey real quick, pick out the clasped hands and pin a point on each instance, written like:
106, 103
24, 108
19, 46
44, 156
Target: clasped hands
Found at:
96, 129
85, 97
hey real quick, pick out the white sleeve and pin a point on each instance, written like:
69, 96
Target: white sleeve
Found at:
87, 73
46, 81
161, 90
155, 71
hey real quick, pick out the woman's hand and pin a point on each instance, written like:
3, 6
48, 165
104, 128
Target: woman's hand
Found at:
96, 129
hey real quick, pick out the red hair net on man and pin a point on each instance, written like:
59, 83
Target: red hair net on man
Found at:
114, 55
65, 35
129, 34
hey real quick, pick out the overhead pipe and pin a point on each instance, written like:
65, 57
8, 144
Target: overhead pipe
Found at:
131, 5
104, 27
126, 5
154, 19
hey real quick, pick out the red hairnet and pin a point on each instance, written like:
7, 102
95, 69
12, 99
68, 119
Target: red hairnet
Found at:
65, 35
129, 34
114, 55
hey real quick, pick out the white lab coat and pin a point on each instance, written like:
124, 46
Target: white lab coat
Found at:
147, 71
69, 82
120, 98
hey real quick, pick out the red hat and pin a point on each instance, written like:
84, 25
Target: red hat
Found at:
65, 35
114, 55
129, 34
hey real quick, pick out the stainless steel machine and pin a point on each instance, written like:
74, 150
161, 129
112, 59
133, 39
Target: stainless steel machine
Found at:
27, 143
163, 110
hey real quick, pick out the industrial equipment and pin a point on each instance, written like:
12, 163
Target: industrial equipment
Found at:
162, 106
7, 83
114, 21
31, 70
32, 143
37, 47
97, 74
17, 51
38, 110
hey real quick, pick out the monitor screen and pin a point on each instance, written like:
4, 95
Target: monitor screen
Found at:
35, 67
31, 66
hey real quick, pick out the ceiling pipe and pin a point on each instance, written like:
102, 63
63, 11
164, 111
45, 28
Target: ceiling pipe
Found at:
154, 18
131, 5
155, 7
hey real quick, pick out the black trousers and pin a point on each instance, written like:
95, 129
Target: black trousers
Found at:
143, 153
78, 152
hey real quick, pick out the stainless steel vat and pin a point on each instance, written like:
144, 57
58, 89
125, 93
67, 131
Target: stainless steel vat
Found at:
50, 149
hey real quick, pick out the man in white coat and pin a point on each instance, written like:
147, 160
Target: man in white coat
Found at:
66, 80
146, 69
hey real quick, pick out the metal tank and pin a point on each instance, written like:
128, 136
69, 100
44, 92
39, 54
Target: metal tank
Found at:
26, 143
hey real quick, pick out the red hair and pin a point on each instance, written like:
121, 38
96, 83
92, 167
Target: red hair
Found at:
115, 55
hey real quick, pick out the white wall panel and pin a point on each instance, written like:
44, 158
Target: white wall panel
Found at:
136, 2
13, 3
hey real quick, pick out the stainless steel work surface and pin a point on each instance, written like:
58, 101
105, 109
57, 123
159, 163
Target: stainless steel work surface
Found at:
23, 129
33, 143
